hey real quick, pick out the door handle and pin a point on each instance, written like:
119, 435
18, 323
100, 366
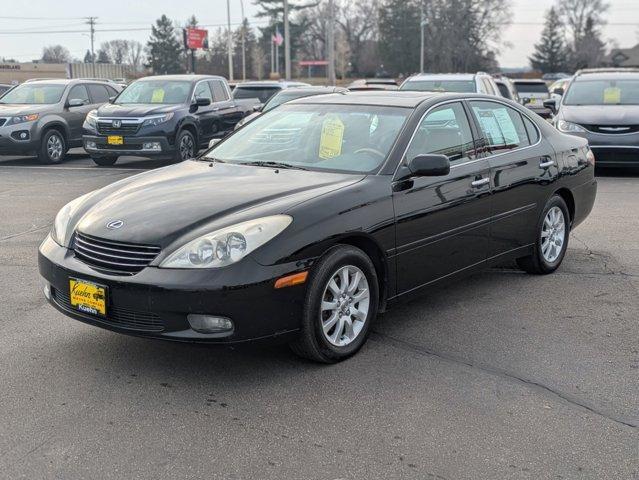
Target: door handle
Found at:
545, 162
480, 182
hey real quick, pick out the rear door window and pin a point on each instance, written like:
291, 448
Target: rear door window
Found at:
502, 126
99, 93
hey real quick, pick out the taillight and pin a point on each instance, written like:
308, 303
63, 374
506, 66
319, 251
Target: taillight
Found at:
590, 157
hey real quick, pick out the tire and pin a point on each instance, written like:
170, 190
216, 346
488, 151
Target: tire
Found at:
183, 152
546, 260
334, 346
105, 161
53, 148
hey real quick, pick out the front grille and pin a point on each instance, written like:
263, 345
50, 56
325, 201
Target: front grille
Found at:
107, 128
113, 257
116, 316
612, 129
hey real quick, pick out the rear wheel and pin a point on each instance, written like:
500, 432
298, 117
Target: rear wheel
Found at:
553, 230
341, 303
53, 148
185, 146
104, 161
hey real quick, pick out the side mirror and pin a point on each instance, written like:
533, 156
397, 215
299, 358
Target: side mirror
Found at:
431, 165
214, 141
559, 91
75, 102
551, 103
202, 102
112, 99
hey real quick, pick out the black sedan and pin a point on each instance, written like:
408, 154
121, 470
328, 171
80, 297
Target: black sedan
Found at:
310, 220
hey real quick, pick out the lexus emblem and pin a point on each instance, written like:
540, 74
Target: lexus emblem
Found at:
115, 224
116, 123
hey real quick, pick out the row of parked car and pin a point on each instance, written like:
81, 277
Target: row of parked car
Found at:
174, 116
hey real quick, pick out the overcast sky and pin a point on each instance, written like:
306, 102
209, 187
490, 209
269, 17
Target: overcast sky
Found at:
133, 18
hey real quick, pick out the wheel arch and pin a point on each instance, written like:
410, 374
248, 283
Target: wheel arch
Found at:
569, 198
191, 128
57, 125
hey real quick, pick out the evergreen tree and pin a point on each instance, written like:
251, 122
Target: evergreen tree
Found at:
551, 53
589, 50
103, 57
88, 58
164, 48
399, 31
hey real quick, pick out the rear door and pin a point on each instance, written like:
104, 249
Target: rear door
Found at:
522, 167
227, 108
442, 222
75, 115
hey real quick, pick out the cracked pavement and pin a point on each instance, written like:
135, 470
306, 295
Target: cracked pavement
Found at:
503, 375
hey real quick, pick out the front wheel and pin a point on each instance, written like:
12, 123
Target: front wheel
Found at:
341, 303
551, 242
104, 161
185, 146
53, 148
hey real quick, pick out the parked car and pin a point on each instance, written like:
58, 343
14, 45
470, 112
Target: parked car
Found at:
288, 95
507, 89
165, 116
553, 77
263, 90
532, 94
45, 117
5, 87
602, 106
452, 82
305, 223
373, 84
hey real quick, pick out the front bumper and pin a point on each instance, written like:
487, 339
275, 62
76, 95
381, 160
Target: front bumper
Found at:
613, 150
12, 141
132, 146
155, 302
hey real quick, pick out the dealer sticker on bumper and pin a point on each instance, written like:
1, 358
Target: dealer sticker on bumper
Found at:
115, 140
87, 297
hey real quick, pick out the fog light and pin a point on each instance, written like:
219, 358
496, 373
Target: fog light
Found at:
153, 146
21, 135
210, 323
91, 145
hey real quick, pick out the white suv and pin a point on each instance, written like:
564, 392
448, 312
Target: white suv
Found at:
452, 82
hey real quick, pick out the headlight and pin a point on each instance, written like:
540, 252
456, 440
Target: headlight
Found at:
24, 118
228, 245
157, 119
92, 118
61, 223
569, 127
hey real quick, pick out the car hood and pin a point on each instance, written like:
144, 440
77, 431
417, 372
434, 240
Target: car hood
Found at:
195, 197
10, 110
601, 114
135, 110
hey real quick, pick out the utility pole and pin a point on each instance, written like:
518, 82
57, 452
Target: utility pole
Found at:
331, 43
287, 44
91, 22
422, 26
230, 39
243, 41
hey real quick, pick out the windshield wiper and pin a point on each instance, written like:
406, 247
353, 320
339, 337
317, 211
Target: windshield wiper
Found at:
262, 163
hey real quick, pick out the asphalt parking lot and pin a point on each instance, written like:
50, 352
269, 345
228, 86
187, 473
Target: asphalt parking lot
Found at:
501, 376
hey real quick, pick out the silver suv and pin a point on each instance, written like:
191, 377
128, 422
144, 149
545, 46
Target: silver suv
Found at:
45, 117
479, 82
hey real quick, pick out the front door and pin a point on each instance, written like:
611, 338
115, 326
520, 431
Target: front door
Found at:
442, 223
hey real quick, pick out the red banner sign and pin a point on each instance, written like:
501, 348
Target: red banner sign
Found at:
196, 38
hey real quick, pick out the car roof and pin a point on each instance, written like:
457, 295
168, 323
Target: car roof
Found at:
62, 81
529, 80
442, 76
315, 89
391, 98
606, 75
183, 77
272, 83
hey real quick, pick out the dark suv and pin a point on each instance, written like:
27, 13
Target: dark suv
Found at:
602, 105
45, 117
166, 116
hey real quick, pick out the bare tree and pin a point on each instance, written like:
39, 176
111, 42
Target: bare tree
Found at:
134, 55
56, 54
577, 12
116, 50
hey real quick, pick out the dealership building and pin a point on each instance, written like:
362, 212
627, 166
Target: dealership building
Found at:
19, 72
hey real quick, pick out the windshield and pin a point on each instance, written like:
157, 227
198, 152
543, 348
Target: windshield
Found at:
348, 138
156, 91
34, 94
531, 88
459, 86
262, 93
603, 92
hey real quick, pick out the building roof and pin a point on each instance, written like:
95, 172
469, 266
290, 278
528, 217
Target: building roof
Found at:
625, 57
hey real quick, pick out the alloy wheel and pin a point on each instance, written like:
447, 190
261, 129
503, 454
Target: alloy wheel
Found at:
54, 147
186, 147
553, 234
345, 305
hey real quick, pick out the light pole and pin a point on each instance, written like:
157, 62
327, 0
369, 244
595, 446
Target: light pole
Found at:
287, 44
331, 43
230, 39
243, 41
422, 25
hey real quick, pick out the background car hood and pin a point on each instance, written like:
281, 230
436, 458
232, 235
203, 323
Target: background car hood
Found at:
601, 114
135, 110
10, 110
195, 197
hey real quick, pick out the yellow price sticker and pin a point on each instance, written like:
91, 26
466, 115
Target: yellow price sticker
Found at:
158, 96
38, 96
612, 95
331, 140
